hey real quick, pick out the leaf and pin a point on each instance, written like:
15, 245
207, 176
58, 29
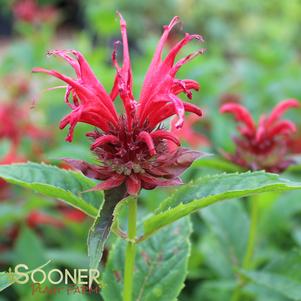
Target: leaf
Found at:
288, 287
283, 275
160, 266
55, 182
100, 230
211, 189
214, 290
26, 242
230, 224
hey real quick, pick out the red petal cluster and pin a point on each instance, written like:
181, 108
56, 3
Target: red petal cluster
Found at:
132, 147
262, 146
30, 12
15, 125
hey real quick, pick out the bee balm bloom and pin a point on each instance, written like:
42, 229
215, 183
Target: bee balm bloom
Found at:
262, 146
132, 147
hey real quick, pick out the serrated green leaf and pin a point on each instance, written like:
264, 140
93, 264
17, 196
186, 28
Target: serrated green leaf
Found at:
100, 230
283, 275
55, 182
160, 266
211, 189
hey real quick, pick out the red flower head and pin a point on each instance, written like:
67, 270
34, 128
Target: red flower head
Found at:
264, 146
30, 12
131, 147
15, 125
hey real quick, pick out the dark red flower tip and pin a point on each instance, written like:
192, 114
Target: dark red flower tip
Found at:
131, 146
262, 146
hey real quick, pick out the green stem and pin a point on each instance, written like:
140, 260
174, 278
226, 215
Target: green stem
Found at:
247, 262
130, 251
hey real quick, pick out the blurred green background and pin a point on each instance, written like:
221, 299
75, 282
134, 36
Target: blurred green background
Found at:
253, 56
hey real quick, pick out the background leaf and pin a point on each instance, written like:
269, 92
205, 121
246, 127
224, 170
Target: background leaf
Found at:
229, 223
55, 182
160, 267
283, 275
211, 189
100, 230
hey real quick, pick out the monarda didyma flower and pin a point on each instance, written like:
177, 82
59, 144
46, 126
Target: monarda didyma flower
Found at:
132, 147
264, 146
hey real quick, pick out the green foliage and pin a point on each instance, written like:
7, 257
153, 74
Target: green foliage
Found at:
102, 225
48, 180
282, 276
229, 223
160, 268
211, 189
253, 54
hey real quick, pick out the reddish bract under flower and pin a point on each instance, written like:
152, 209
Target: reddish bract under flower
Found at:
264, 146
131, 147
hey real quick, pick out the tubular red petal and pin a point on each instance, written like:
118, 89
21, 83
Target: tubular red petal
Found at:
158, 53
240, 113
86, 85
103, 140
155, 117
179, 108
133, 185
261, 130
64, 54
147, 84
280, 109
189, 107
115, 88
184, 86
64, 78
89, 100
161, 134
185, 60
147, 139
73, 118
158, 109
170, 58
123, 80
282, 128
126, 56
